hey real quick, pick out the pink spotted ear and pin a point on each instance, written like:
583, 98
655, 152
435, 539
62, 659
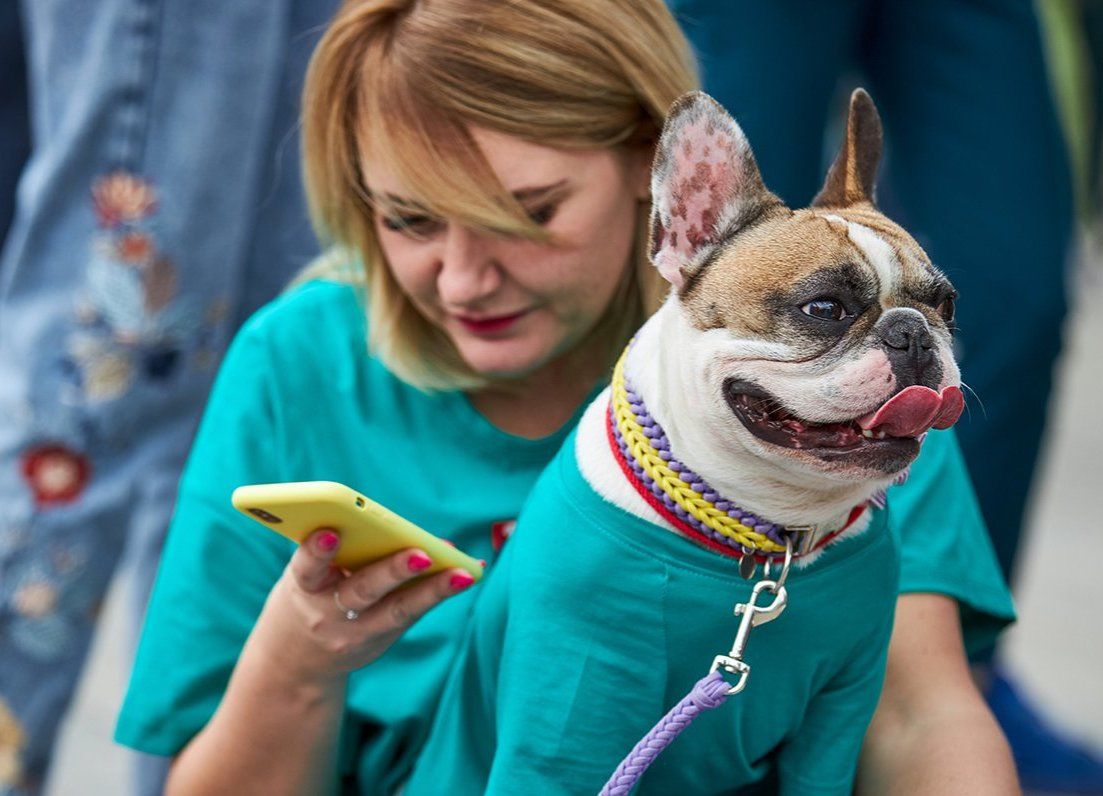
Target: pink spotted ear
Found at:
705, 186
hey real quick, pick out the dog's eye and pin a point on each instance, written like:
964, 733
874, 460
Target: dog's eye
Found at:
825, 309
946, 309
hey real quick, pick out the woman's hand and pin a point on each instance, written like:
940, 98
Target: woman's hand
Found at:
290, 680
302, 613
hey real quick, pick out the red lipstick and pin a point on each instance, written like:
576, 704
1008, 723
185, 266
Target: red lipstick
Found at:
489, 325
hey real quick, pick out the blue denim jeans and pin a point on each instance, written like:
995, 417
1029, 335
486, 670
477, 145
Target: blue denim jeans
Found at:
161, 204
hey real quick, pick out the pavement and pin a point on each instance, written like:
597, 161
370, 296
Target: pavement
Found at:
1055, 650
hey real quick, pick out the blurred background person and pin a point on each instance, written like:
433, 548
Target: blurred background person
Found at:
160, 205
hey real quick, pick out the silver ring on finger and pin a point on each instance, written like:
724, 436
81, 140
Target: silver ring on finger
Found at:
351, 614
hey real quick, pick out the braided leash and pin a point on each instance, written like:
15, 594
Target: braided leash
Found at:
709, 692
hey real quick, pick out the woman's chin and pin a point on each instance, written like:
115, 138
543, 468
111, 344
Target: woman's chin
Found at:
504, 359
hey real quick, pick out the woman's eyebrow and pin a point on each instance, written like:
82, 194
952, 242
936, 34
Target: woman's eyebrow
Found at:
521, 195
390, 201
539, 192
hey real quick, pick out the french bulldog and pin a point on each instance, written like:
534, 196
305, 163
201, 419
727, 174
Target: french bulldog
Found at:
802, 354
790, 377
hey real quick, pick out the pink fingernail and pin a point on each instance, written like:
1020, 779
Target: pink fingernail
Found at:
418, 562
328, 541
461, 580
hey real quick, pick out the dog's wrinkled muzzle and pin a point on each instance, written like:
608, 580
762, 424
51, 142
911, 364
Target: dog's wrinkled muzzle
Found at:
915, 409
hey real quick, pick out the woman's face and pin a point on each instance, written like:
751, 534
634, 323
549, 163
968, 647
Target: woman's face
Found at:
512, 305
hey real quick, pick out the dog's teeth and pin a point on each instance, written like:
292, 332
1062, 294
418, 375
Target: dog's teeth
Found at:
867, 432
880, 435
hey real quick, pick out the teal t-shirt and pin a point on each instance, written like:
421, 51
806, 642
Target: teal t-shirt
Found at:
594, 623
299, 398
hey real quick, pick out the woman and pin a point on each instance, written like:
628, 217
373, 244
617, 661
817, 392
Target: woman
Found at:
484, 169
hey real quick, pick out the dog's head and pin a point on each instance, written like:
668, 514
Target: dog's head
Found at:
825, 331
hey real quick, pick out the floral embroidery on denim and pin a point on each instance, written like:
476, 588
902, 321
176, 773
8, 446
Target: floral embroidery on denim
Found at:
12, 741
55, 473
120, 198
104, 372
133, 320
35, 600
135, 248
134, 327
51, 601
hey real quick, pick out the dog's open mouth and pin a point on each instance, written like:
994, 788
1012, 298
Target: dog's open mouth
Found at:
896, 424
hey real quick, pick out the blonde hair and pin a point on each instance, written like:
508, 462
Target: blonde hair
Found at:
404, 79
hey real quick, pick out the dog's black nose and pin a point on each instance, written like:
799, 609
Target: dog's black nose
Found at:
907, 341
908, 334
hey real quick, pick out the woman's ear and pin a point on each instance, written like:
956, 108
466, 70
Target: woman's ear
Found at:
642, 175
640, 147
639, 158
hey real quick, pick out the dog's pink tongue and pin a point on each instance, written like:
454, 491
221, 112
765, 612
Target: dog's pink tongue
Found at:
915, 409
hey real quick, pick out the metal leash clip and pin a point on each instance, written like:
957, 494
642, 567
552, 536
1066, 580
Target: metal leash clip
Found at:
753, 615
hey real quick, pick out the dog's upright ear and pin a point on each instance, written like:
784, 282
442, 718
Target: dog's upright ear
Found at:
852, 176
705, 186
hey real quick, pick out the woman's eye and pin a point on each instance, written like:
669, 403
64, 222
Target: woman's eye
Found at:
415, 225
825, 309
542, 215
946, 309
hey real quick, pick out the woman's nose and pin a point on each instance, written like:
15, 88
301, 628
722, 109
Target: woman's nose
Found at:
468, 269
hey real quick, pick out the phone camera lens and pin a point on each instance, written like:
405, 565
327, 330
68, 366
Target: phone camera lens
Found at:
264, 515
360, 502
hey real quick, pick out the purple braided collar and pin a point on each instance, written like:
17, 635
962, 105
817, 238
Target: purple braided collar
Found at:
661, 443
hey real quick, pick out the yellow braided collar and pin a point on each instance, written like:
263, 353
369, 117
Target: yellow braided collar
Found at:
694, 504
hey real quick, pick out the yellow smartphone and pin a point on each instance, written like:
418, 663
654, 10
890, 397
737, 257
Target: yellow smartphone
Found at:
368, 530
